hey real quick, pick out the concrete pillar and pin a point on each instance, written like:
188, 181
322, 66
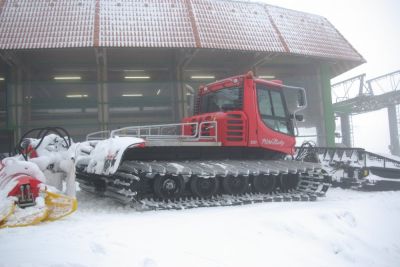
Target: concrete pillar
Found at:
393, 130
345, 129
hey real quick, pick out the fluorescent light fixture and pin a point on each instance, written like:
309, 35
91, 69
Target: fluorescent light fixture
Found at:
137, 77
132, 95
133, 70
158, 91
202, 77
1, 78
188, 94
76, 96
67, 78
266, 76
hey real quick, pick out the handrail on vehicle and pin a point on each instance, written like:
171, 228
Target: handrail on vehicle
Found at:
100, 135
190, 131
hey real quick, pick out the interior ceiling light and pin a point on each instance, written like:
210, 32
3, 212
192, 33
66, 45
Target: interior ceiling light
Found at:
132, 95
137, 77
1, 78
76, 96
202, 77
266, 76
67, 78
158, 91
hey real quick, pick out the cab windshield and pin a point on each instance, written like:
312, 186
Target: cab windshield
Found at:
272, 109
221, 100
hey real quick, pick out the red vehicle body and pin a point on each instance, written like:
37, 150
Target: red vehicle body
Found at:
243, 125
26, 190
235, 143
25, 187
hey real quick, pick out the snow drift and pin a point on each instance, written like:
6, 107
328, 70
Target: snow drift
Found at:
347, 228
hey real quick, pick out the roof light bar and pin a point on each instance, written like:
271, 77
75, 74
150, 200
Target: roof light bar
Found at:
67, 78
202, 77
137, 77
132, 95
266, 76
76, 96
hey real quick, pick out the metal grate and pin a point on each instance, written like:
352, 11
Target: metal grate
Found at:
234, 128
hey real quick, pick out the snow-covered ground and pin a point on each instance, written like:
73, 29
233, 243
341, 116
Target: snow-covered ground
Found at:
347, 228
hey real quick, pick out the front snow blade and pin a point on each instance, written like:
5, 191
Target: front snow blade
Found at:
59, 205
26, 216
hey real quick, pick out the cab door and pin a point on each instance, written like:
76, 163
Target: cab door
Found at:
275, 128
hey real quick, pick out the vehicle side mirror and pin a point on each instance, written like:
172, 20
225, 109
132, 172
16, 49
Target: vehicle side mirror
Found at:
301, 99
297, 117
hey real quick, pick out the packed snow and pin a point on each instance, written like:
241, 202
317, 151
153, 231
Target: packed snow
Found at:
347, 228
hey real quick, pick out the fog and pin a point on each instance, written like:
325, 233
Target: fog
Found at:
372, 28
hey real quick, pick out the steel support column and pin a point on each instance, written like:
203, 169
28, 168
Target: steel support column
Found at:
183, 60
345, 128
102, 89
182, 94
175, 95
393, 130
328, 115
14, 101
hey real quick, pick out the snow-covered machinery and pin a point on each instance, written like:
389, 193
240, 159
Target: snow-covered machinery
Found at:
233, 151
31, 183
356, 168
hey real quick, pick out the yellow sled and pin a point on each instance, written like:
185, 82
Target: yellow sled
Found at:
53, 207
7, 208
59, 205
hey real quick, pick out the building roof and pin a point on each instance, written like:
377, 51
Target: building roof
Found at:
216, 24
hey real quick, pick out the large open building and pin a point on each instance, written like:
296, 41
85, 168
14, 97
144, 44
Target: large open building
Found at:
90, 65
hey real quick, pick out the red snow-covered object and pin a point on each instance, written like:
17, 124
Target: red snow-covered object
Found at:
19, 180
26, 190
31, 183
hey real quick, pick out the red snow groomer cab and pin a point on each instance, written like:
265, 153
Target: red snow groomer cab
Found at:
248, 112
232, 150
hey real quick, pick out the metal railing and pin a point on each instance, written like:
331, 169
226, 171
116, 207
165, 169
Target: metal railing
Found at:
358, 86
100, 135
191, 131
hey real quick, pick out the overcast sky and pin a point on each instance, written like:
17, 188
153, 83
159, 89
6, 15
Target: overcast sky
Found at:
373, 28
